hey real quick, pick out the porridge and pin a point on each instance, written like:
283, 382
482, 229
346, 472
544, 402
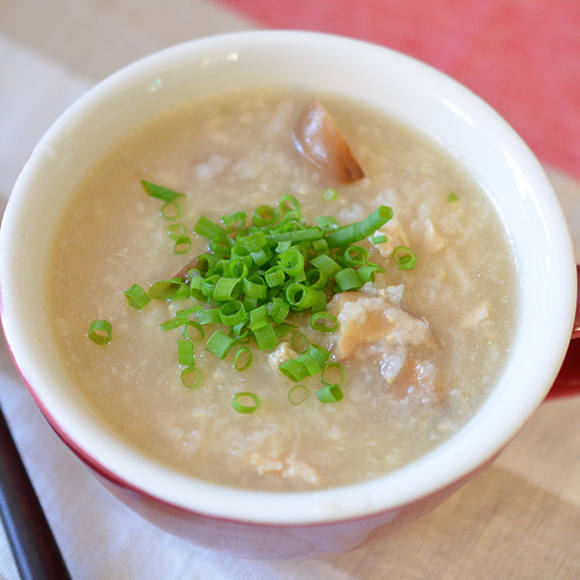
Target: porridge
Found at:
246, 352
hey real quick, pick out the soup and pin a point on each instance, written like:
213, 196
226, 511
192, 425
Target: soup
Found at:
422, 334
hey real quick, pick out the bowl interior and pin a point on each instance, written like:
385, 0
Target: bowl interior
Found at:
387, 81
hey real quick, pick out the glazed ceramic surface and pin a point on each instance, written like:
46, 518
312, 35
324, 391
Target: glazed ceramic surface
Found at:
310, 524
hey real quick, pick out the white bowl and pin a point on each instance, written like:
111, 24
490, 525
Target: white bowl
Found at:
308, 524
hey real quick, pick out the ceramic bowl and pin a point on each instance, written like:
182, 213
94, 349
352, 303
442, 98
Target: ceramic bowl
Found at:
317, 523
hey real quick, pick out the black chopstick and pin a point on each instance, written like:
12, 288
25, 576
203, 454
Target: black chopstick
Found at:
35, 550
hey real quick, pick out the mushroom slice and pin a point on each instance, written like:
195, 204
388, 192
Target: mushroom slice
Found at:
318, 138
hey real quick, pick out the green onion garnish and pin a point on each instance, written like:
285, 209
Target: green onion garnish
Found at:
381, 239
193, 330
328, 369
452, 197
101, 332
160, 192
253, 277
298, 394
191, 377
329, 194
320, 354
176, 231
185, 353
165, 289
299, 342
324, 321
220, 344
360, 230
404, 258
265, 337
310, 363
137, 297
330, 395
294, 370
240, 407
182, 245
242, 359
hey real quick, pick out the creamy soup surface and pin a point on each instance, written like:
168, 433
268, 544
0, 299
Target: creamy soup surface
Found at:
411, 381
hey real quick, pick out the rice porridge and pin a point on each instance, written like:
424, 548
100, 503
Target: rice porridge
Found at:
416, 348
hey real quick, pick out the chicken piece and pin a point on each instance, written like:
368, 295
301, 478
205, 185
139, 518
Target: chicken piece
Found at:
396, 236
318, 138
365, 319
280, 355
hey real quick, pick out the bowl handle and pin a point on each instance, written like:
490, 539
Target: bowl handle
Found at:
568, 380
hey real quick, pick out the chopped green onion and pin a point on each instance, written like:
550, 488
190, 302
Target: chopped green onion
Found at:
329, 194
210, 316
233, 313
191, 377
176, 231
256, 287
245, 355
183, 292
221, 246
172, 323
329, 369
265, 337
299, 342
227, 289
265, 215
301, 296
294, 370
328, 223
289, 203
220, 344
404, 258
247, 409
278, 310
352, 256
185, 353
347, 279
235, 222
256, 241
170, 210
159, 192
192, 325
208, 285
452, 197
137, 297
274, 276
326, 265
182, 245
298, 394
380, 239
283, 329
165, 289
208, 229
310, 363
259, 317
320, 354
101, 332
324, 321
283, 246
292, 262
367, 272
186, 312
330, 395
358, 231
